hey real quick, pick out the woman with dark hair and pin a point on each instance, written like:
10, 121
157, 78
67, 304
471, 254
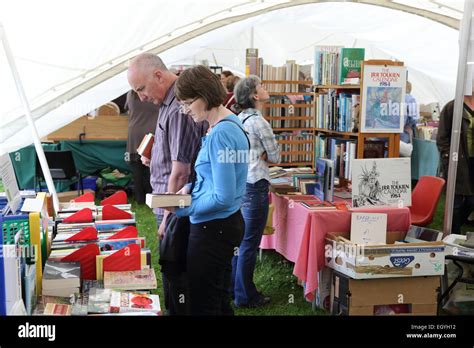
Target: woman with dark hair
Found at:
230, 85
221, 167
224, 76
250, 96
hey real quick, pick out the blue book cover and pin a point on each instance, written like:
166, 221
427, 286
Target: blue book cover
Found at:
320, 175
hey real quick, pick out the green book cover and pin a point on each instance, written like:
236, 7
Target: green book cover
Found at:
350, 64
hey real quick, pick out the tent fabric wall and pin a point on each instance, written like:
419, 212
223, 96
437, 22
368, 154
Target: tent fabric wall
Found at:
72, 55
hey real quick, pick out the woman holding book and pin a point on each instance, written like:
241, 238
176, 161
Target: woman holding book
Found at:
221, 167
250, 97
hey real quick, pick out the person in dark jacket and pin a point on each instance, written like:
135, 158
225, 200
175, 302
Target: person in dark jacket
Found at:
464, 192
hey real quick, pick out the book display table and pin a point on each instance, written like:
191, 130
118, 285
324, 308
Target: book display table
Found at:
300, 234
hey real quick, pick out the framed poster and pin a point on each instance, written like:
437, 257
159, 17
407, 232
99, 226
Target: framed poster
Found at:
381, 182
383, 99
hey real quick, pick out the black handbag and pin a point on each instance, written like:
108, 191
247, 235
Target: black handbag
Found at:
174, 245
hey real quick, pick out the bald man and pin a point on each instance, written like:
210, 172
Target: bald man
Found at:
177, 141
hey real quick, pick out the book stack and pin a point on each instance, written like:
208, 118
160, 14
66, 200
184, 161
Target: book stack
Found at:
61, 279
144, 279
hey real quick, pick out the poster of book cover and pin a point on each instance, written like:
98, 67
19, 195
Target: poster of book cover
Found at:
383, 97
381, 182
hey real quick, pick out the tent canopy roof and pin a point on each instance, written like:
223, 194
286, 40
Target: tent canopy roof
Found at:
72, 56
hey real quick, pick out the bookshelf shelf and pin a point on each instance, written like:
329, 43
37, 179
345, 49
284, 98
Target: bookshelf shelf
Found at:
296, 149
294, 164
295, 141
292, 129
303, 82
301, 118
344, 134
296, 106
337, 87
290, 93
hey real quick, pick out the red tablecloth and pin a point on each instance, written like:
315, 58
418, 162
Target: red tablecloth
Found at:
300, 234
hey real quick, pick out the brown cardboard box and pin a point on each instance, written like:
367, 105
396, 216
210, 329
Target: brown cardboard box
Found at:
68, 195
418, 295
383, 261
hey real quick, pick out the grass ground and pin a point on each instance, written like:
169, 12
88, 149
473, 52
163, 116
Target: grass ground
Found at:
273, 274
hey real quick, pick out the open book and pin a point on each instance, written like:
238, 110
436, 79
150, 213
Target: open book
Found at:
145, 146
167, 200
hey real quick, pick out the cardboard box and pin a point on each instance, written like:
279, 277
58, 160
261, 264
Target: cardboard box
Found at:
68, 195
394, 296
383, 261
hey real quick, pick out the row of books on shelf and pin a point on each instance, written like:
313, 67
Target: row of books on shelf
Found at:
338, 112
290, 71
341, 151
284, 106
305, 146
336, 65
288, 123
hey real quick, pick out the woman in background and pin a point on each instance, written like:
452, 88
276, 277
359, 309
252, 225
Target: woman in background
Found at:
250, 97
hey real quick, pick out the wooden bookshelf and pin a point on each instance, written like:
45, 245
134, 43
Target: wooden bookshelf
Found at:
293, 129
290, 93
343, 134
337, 87
393, 139
292, 146
294, 164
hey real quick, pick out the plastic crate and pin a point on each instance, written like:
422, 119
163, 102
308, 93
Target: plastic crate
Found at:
89, 182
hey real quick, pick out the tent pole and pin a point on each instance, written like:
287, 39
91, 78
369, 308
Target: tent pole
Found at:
464, 35
29, 118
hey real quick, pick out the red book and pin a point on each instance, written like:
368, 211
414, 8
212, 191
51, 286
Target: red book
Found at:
145, 146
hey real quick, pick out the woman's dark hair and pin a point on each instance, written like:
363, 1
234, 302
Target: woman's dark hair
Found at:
200, 82
227, 73
231, 82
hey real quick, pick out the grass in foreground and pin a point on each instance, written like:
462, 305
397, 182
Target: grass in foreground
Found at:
273, 274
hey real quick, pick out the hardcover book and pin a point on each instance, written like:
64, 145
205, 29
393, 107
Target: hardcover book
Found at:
57, 309
61, 275
144, 149
350, 65
381, 182
131, 280
167, 200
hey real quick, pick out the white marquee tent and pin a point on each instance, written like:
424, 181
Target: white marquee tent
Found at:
72, 56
